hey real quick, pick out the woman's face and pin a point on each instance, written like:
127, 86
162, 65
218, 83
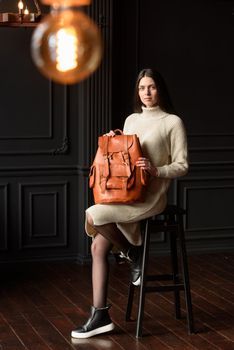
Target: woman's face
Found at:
148, 92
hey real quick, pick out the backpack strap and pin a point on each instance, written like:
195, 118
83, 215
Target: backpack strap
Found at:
106, 168
125, 155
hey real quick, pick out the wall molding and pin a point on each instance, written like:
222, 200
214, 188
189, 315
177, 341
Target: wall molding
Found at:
214, 142
4, 188
47, 144
57, 191
202, 232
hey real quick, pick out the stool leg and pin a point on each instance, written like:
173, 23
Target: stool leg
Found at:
187, 291
130, 302
175, 271
143, 281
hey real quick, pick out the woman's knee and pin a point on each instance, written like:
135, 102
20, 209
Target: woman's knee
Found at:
96, 249
100, 247
89, 219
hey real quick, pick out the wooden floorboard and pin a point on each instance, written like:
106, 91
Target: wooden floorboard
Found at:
40, 303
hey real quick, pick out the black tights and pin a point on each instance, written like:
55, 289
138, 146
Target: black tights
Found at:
108, 235
115, 236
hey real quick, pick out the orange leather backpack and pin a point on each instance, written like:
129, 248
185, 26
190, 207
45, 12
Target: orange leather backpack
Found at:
114, 177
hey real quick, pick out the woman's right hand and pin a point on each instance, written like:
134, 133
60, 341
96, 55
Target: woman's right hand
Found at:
146, 165
110, 133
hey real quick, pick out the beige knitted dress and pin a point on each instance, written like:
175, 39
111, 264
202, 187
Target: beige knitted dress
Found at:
163, 140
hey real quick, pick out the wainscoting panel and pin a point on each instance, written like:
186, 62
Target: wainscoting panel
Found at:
211, 148
43, 134
43, 215
209, 222
39, 216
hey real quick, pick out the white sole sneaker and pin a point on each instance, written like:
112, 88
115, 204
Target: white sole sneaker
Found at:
137, 282
93, 332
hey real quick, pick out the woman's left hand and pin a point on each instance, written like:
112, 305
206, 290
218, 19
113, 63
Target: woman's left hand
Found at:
145, 164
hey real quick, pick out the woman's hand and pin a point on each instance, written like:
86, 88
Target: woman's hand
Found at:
110, 133
145, 164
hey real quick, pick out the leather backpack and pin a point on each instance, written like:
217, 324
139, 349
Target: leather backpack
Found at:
114, 177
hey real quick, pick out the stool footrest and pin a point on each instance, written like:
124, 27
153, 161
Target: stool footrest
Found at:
168, 288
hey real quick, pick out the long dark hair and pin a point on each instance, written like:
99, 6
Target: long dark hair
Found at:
164, 100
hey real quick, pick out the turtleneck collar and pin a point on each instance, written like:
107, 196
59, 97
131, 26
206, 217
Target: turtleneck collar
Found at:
152, 112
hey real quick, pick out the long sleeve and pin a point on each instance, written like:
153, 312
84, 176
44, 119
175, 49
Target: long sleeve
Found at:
178, 153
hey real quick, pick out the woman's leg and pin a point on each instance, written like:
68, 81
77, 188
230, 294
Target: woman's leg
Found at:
112, 234
99, 320
100, 270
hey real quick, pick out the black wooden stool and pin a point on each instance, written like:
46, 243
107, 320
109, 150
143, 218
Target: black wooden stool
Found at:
170, 221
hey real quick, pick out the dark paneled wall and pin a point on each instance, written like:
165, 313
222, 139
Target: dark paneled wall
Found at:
49, 132
191, 44
47, 140
38, 152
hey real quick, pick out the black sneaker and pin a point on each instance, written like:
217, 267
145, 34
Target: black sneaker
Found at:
99, 322
135, 255
136, 276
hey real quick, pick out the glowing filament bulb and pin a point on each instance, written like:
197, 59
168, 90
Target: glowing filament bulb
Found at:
66, 45
20, 5
26, 11
66, 49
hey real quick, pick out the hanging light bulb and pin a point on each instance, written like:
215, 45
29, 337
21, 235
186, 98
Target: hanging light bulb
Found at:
20, 7
26, 11
66, 46
66, 50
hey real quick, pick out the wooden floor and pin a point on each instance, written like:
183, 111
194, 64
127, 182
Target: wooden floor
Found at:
41, 303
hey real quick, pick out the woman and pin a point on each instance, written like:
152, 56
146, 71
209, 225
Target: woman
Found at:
163, 141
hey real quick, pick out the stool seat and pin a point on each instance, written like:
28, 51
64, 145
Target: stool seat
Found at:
170, 221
